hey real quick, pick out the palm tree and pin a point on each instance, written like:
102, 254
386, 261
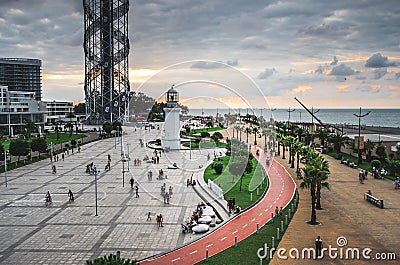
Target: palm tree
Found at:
322, 134
309, 181
338, 139
255, 131
237, 128
265, 132
290, 140
248, 130
323, 173
368, 147
297, 146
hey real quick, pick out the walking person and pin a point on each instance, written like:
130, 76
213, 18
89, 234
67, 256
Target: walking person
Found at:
131, 182
71, 196
170, 191
161, 221
318, 247
148, 217
137, 191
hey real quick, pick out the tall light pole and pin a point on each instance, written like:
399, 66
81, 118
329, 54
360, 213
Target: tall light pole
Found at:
359, 116
128, 157
5, 166
290, 111
95, 185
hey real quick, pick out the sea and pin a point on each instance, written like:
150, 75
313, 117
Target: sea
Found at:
373, 117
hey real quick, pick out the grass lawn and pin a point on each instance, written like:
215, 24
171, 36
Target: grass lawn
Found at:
198, 131
52, 138
204, 144
246, 250
231, 184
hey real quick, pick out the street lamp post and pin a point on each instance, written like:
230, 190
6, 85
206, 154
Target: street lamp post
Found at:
359, 116
123, 171
128, 157
115, 140
95, 185
190, 149
290, 111
5, 166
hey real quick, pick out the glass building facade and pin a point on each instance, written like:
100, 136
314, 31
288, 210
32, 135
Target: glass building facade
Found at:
20, 74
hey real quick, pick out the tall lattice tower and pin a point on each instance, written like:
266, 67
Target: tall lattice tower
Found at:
106, 47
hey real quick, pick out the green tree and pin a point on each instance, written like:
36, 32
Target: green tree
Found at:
369, 147
322, 134
248, 131
322, 167
107, 128
381, 153
57, 130
309, 181
70, 127
237, 168
39, 145
217, 136
376, 163
255, 131
338, 140
19, 147
30, 128
80, 108
218, 167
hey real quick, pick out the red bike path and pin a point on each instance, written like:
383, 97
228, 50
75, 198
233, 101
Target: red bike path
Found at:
280, 192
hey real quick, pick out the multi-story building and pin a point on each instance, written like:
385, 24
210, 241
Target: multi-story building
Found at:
59, 111
20, 74
17, 108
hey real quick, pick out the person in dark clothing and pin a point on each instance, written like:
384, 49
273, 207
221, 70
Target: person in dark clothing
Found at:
318, 247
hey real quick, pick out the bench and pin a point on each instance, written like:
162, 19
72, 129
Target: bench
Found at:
373, 200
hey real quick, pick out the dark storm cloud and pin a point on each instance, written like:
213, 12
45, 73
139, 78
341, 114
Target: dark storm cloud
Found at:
266, 73
378, 61
343, 70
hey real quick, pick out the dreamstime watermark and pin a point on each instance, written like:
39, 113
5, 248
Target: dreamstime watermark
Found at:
341, 251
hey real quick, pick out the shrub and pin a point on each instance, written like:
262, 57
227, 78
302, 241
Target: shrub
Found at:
111, 260
376, 163
218, 167
204, 134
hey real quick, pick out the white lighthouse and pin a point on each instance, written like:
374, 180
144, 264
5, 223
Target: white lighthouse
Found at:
171, 138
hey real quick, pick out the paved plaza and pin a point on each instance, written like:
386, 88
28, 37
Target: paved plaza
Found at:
69, 232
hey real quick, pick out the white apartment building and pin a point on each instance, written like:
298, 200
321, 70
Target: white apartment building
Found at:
17, 108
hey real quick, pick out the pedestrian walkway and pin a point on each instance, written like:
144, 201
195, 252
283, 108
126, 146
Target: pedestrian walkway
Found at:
346, 214
69, 232
280, 192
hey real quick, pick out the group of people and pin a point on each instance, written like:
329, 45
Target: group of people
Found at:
231, 205
347, 162
278, 212
49, 199
159, 220
90, 168
362, 175
166, 194
137, 162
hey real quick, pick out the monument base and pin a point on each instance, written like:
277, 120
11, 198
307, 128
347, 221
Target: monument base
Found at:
172, 144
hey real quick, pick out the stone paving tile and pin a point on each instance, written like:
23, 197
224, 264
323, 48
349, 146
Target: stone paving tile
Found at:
13, 235
11, 216
56, 258
65, 237
70, 233
84, 215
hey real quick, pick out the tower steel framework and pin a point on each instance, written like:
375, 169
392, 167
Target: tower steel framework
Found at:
106, 47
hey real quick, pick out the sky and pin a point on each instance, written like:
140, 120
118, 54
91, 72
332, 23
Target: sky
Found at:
226, 53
